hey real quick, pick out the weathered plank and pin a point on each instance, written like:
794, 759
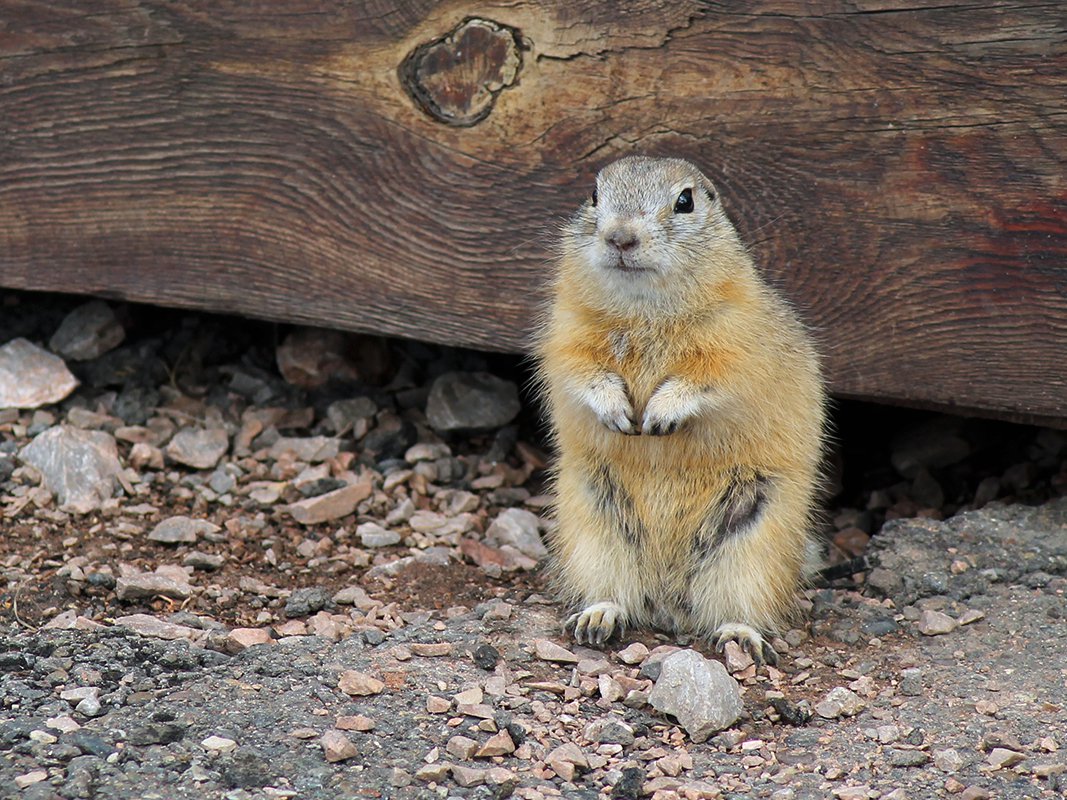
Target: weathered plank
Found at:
899, 169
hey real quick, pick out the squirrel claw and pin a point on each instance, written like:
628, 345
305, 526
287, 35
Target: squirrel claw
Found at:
596, 624
659, 428
620, 423
749, 639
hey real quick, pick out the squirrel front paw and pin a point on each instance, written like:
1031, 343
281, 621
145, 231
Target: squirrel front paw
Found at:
670, 405
610, 402
749, 638
597, 623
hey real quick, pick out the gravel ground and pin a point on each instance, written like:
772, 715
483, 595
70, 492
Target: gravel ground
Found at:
310, 568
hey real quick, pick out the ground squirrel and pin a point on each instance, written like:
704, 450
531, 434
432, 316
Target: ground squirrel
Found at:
688, 412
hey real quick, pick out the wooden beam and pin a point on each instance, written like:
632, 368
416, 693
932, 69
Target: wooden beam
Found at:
899, 169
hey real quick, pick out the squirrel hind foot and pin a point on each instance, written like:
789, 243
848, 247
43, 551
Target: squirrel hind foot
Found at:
596, 624
749, 638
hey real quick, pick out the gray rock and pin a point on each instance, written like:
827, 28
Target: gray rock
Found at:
198, 448
89, 706
222, 481
518, 528
312, 357
885, 581
306, 448
147, 585
7, 466
88, 332
344, 414
906, 758
609, 730
181, 530
147, 625
926, 491
208, 562
932, 445
911, 682
331, 505
156, 733
987, 491
81, 468
840, 702
303, 602
371, 534
389, 569
391, 437
353, 596
471, 401
32, 377
699, 693
948, 760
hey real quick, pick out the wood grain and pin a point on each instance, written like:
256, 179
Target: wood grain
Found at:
898, 169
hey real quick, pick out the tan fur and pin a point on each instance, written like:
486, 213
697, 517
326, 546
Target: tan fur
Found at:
698, 336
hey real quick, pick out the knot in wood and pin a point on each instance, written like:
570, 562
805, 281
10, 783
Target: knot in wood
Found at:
456, 79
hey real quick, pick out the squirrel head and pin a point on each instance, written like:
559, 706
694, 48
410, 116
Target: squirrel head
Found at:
652, 230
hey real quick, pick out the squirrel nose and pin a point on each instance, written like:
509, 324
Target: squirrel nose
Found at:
622, 239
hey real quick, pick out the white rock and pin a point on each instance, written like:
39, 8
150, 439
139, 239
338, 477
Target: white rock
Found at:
520, 529
198, 448
934, 623
81, 468
698, 692
371, 534
840, 702
425, 451
1002, 758
31, 376
89, 706
64, 723
219, 744
550, 651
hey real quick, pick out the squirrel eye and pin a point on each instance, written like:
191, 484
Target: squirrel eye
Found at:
684, 203
594, 198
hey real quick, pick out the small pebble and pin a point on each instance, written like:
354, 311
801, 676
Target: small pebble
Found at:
336, 746
219, 744
633, 654
359, 684
840, 702
356, 722
934, 623
550, 651
1002, 758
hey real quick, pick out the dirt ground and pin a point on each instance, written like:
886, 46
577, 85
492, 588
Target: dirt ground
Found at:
400, 646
